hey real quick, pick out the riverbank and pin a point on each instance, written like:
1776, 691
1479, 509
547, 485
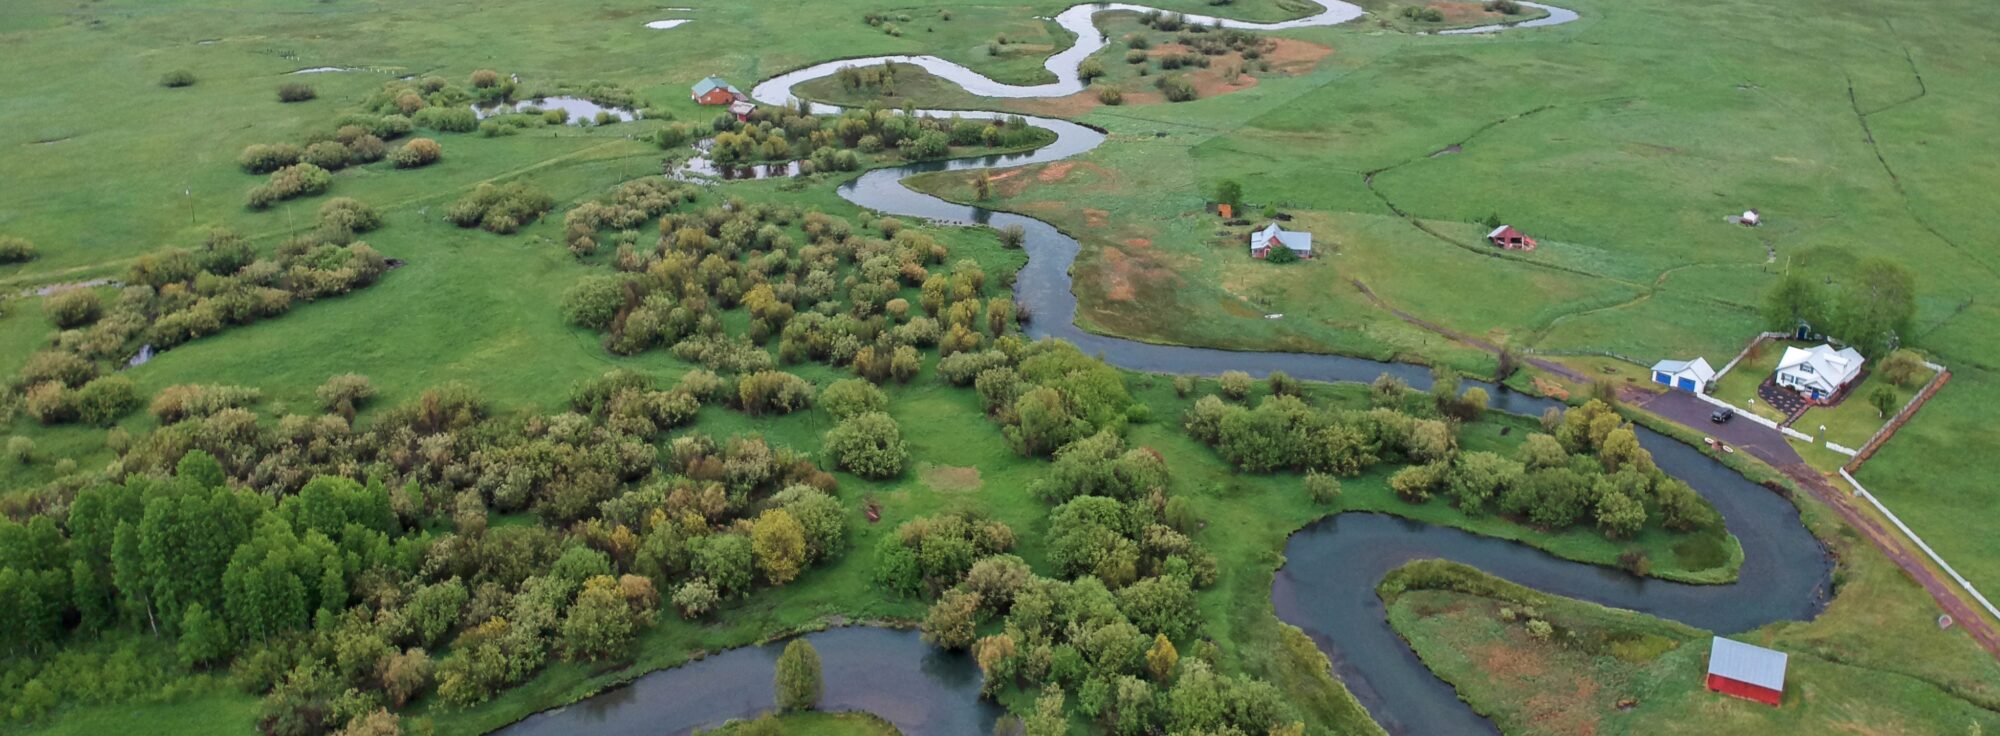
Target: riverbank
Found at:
1534, 662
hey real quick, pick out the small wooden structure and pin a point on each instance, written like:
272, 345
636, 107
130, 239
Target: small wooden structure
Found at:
742, 109
1505, 236
1746, 671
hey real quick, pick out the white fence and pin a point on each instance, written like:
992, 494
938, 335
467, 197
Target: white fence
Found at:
1762, 336
1863, 492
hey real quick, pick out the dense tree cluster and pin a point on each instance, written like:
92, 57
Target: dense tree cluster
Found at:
260, 548
843, 297
1103, 631
176, 295
1045, 394
410, 98
1591, 470
630, 205
1873, 307
830, 142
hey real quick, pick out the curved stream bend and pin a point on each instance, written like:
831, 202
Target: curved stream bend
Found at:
1327, 585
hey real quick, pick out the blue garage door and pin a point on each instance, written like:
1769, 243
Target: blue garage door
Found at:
1687, 383
1662, 379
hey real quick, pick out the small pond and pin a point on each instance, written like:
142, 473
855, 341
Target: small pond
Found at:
580, 110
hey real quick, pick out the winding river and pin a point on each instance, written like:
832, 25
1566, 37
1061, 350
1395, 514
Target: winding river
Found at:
1327, 584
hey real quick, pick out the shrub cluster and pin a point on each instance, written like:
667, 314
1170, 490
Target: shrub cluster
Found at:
16, 250
1176, 89
295, 92
329, 600
502, 208
1592, 470
840, 299
296, 180
176, 295
1104, 629
1423, 13
177, 78
417, 153
628, 207
829, 143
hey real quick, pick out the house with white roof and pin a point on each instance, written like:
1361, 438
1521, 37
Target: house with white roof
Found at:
1819, 373
1300, 243
1686, 375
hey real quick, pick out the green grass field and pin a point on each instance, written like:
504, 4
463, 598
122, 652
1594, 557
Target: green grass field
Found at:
1619, 141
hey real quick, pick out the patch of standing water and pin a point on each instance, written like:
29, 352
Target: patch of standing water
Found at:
580, 110
661, 25
144, 356
327, 69
1556, 16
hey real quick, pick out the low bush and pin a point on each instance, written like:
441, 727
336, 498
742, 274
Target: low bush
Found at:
1176, 89
500, 209
73, 308
297, 180
418, 152
1089, 70
447, 119
16, 250
868, 444
1110, 96
347, 216
295, 92
329, 155
103, 401
261, 158
344, 394
177, 78
195, 401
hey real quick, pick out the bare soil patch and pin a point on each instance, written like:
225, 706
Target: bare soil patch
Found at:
950, 478
1289, 57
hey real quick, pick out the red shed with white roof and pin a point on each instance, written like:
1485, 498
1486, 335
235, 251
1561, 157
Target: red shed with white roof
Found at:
1746, 671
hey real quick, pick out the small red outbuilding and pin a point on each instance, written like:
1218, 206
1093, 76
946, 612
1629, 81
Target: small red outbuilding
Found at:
1745, 671
1505, 236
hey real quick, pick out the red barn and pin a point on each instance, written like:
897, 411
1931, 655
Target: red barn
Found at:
1507, 237
1745, 671
714, 91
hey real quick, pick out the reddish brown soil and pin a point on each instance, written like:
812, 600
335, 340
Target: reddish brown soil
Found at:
1286, 56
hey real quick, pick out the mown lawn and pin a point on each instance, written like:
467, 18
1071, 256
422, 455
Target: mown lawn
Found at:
1739, 385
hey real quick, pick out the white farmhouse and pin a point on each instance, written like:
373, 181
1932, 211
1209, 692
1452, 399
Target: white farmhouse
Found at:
1818, 373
